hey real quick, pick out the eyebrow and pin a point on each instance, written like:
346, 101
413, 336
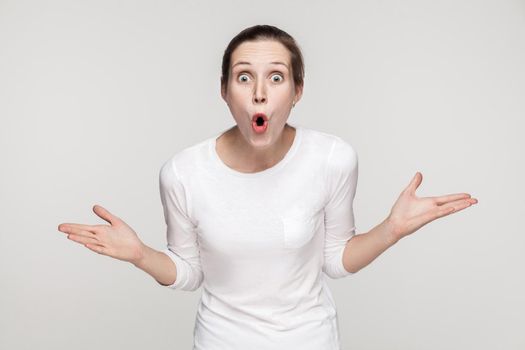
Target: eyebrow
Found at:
276, 62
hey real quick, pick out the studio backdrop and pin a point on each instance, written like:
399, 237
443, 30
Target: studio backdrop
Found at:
95, 96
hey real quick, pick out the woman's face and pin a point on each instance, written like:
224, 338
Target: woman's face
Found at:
261, 81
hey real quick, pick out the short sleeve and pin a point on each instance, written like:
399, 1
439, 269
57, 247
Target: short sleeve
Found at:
341, 183
182, 245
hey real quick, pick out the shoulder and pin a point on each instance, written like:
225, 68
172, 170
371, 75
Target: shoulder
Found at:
342, 153
329, 141
341, 156
185, 161
338, 156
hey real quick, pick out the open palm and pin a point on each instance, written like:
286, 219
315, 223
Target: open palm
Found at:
117, 240
410, 212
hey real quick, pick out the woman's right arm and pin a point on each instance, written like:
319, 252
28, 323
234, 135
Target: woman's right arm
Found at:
178, 266
118, 240
158, 265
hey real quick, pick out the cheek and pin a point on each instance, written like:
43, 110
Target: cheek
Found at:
237, 103
238, 94
283, 91
282, 97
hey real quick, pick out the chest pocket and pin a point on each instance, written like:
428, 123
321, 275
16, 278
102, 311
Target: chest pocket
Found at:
298, 228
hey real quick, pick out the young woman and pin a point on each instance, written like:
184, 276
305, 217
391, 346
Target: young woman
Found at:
261, 213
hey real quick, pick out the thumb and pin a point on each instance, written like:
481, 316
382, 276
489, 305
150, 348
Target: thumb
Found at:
415, 182
105, 214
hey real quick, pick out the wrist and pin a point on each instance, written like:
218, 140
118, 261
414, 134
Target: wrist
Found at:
391, 231
141, 256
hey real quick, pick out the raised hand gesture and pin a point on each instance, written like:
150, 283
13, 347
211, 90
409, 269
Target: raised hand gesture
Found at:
117, 240
411, 212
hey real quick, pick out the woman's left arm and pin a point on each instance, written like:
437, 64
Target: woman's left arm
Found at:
408, 214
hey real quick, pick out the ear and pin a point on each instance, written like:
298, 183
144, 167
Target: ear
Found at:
223, 92
298, 93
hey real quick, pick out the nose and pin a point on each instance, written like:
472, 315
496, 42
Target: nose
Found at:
259, 95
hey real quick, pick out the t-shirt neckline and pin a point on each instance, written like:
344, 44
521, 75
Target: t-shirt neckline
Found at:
291, 151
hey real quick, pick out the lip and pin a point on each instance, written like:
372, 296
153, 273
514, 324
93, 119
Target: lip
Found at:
260, 114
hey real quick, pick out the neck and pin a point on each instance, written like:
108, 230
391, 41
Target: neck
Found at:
258, 159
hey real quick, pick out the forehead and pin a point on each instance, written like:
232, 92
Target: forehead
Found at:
263, 51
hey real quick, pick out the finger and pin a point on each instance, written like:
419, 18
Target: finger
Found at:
445, 209
460, 204
82, 233
96, 248
105, 214
415, 182
77, 228
450, 197
82, 239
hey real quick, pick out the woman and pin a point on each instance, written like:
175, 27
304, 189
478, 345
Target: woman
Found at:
261, 213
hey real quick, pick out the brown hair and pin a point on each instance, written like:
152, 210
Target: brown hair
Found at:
264, 32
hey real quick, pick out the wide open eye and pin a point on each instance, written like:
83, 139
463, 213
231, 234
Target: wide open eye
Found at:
243, 78
278, 76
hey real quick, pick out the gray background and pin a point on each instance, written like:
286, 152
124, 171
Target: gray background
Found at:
95, 96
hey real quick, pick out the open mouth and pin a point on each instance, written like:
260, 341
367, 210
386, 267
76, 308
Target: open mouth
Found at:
259, 118
259, 122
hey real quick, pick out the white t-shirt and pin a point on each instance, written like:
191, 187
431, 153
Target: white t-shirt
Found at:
260, 244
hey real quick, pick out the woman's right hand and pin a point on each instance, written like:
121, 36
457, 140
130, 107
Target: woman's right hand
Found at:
117, 240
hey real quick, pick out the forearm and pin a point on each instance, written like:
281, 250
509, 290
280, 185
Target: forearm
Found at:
158, 265
363, 248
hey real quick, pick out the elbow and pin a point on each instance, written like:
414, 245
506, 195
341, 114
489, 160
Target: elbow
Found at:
350, 269
336, 271
189, 275
334, 265
196, 281
190, 283
191, 279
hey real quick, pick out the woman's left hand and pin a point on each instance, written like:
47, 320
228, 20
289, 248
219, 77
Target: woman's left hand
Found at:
411, 212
